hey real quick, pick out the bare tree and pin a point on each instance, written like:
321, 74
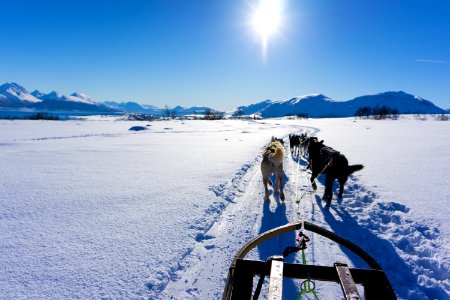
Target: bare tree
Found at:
167, 111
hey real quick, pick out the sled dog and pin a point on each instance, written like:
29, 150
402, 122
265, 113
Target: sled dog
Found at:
333, 164
272, 163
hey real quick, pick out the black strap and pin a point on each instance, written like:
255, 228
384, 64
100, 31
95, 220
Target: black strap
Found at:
260, 284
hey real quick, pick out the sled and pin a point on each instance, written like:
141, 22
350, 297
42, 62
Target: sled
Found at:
239, 284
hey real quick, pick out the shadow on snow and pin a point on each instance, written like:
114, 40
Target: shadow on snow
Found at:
402, 278
275, 246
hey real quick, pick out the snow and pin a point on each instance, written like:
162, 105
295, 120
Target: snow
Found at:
321, 97
90, 209
318, 105
75, 97
15, 92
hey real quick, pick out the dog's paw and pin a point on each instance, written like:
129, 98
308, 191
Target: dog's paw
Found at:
327, 199
282, 196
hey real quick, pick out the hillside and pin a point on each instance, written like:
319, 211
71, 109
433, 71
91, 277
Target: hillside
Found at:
318, 105
12, 95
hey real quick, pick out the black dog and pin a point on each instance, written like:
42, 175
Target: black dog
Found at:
296, 142
305, 143
331, 163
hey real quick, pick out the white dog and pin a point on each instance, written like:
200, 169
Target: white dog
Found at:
273, 163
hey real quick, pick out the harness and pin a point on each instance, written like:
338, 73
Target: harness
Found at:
326, 156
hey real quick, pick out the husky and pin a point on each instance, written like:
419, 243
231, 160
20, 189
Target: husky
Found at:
272, 163
333, 164
296, 143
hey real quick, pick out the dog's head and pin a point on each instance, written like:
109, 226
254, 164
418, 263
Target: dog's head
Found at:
274, 139
269, 150
274, 147
314, 146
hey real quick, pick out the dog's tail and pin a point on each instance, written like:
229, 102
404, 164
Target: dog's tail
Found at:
353, 168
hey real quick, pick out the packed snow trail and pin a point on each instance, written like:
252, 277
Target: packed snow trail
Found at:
382, 228
202, 274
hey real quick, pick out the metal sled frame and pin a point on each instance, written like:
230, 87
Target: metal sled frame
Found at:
239, 284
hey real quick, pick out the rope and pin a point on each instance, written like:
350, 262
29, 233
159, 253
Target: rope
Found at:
303, 195
307, 286
296, 178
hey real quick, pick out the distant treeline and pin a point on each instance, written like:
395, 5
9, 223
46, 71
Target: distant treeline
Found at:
36, 116
43, 116
299, 115
377, 112
208, 114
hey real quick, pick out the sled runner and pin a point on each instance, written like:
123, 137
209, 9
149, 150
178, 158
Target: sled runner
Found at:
239, 284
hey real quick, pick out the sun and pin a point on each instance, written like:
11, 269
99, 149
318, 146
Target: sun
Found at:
266, 19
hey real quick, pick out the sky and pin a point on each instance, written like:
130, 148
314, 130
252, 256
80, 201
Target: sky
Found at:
189, 53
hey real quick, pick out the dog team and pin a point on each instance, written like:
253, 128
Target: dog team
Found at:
322, 159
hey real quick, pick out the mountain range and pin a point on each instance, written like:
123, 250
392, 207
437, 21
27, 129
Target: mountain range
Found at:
14, 96
133, 107
319, 106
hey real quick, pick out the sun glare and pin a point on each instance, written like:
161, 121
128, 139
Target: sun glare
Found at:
267, 20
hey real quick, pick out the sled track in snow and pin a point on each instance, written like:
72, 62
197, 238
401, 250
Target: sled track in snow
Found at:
186, 273
237, 216
383, 228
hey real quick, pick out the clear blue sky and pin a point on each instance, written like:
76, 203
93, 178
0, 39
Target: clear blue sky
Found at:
205, 52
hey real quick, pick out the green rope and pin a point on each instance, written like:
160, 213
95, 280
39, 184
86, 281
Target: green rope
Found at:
305, 286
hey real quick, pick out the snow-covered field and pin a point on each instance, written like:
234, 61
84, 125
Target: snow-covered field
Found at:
91, 210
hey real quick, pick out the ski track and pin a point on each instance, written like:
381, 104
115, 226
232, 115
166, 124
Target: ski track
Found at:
165, 130
383, 226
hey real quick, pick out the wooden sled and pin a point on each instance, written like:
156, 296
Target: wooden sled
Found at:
239, 284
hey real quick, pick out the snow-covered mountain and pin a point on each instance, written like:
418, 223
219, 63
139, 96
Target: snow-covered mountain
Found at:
313, 105
133, 107
180, 110
12, 95
405, 103
253, 108
56, 96
38, 94
318, 105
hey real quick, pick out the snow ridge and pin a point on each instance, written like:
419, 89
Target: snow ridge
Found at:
226, 194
